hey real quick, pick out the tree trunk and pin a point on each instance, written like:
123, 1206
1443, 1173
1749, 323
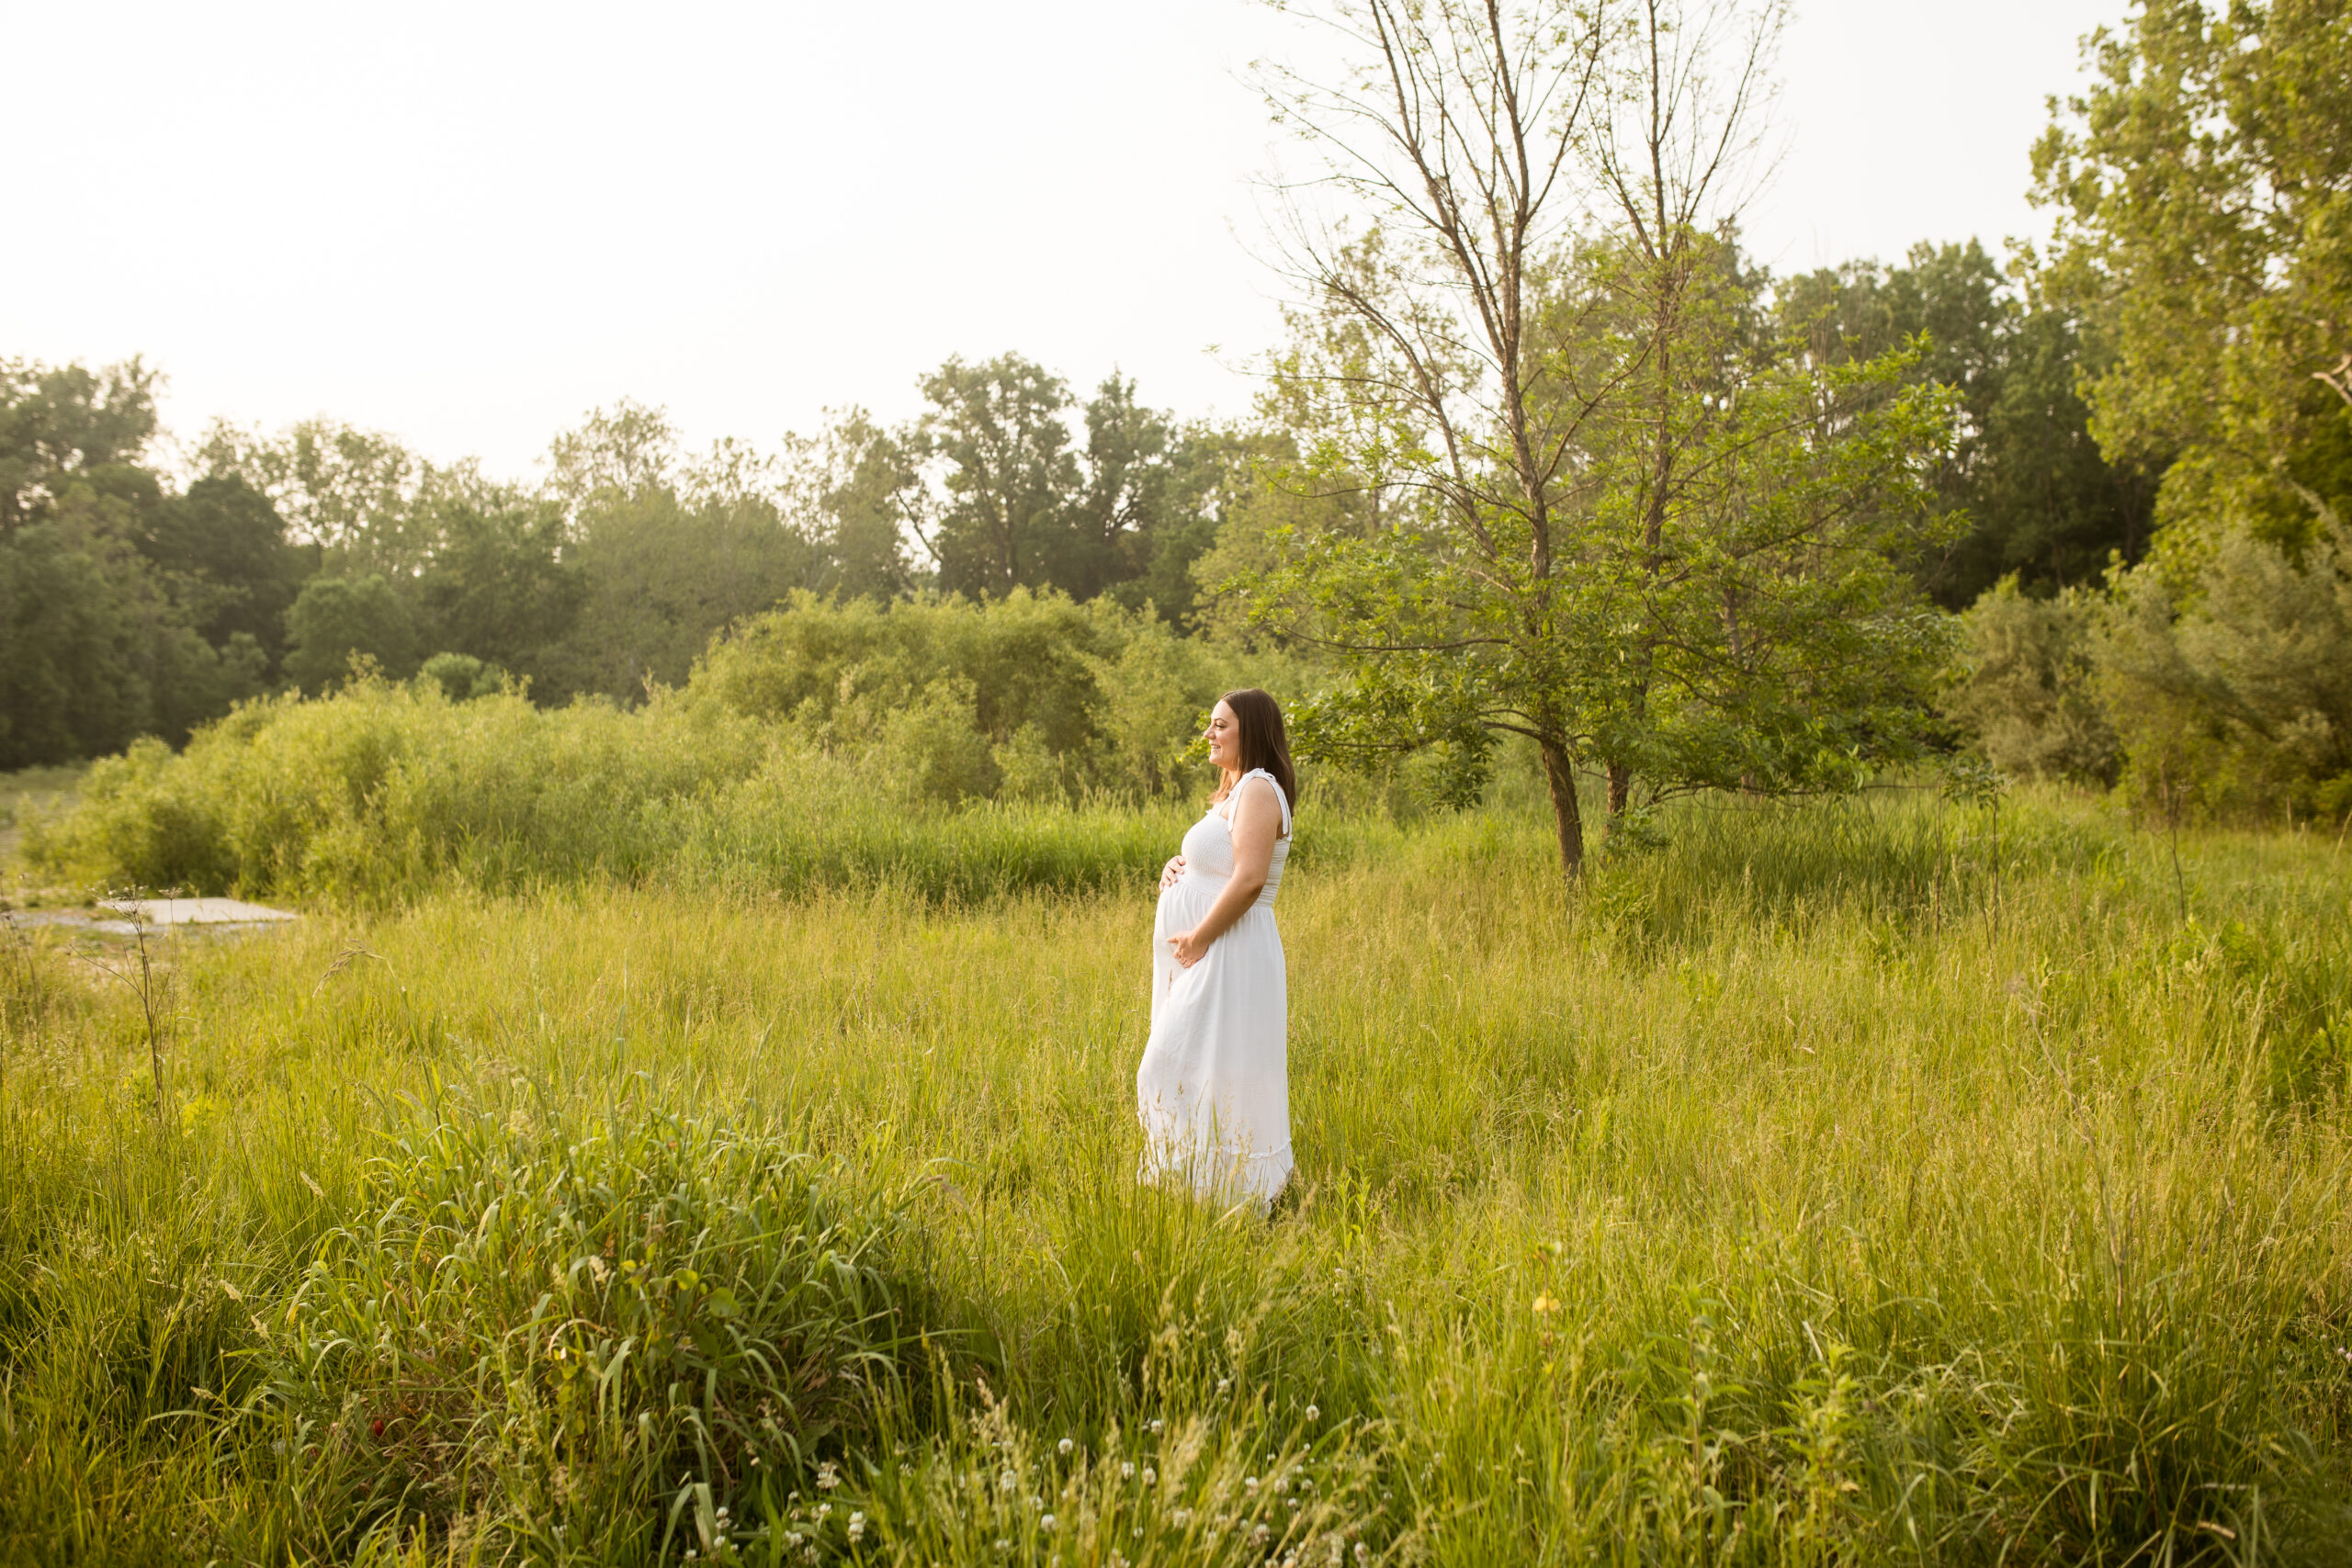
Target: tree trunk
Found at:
1621, 792
1562, 778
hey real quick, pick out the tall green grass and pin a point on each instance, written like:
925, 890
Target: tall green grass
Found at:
1843, 1185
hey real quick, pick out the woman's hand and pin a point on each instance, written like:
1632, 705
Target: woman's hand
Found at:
1170, 871
1189, 946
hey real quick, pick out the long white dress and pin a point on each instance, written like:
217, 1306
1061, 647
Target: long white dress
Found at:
1214, 1086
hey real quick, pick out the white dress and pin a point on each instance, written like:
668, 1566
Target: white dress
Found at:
1214, 1086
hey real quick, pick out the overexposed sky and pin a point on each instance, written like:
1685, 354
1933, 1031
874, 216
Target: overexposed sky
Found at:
467, 224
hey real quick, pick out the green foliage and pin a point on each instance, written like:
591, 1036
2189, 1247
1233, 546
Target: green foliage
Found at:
461, 677
1741, 624
951, 698
1023, 507
384, 791
124, 611
2040, 503
532, 1334
501, 587
2022, 686
355, 494
1601, 507
2235, 696
2203, 184
335, 621
67, 420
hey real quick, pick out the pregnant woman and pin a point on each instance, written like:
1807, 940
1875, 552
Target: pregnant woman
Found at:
1214, 1088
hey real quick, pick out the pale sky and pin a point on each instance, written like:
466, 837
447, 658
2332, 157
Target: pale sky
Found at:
468, 224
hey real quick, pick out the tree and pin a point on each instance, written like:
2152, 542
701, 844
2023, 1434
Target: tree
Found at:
2041, 503
1598, 509
2202, 188
500, 587
667, 552
55, 423
354, 493
1010, 474
110, 587
222, 548
337, 617
856, 489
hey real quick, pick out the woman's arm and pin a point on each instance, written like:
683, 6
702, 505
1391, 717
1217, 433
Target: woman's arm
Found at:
1257, 823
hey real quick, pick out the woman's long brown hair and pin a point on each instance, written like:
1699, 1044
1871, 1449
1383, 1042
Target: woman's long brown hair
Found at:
1263, 743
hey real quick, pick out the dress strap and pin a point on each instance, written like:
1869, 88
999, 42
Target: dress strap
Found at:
1262, 774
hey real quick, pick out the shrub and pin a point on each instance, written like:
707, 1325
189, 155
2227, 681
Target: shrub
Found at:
461, 676
2023, 687
950, 698
382, 792
383, 789
2235, 694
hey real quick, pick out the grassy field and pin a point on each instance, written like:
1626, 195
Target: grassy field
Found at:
1882, 1182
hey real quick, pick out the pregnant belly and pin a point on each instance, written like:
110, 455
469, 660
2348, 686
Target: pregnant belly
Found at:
1182, 905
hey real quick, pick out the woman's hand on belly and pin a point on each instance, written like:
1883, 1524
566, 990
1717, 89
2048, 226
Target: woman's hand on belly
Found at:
1170, 871
1189, 946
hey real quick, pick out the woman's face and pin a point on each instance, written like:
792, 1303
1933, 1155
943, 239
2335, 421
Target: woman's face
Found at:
1224, 738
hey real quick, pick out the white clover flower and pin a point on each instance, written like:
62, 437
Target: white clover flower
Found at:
1127, 1471
1150, 1476
856, 1526
1157, 1423
1002, 1544
1046, 1524
1363, 1553
1249, 1482
1063, 1448
1223, 1385
1312, 1413
1006, 1482
828, 1475
1180, 1517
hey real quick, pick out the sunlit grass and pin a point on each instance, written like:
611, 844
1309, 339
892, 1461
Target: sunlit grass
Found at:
1784, 1196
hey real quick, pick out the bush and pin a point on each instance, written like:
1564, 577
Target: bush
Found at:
2023, 688
385, 789
1034, 694
550, 1339
461, 676
961, 750
382, 792
2233, 695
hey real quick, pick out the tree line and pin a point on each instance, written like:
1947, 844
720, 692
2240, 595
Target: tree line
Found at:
134, 601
